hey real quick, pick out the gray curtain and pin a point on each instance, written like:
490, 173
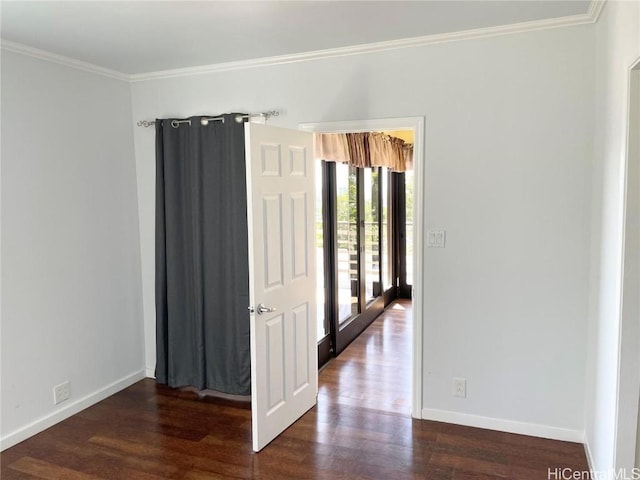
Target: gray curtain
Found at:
202, 272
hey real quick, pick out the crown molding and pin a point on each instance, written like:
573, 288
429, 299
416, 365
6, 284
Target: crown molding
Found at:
62, 60
595, 9
591, 16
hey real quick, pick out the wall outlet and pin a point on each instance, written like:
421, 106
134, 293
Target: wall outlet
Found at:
460, 387
61, 392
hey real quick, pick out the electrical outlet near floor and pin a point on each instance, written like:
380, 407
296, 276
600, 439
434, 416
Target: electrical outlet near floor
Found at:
460, 387
61, 392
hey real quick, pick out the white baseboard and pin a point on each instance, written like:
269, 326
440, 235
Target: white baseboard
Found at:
587, 452
51, 419
150, 372
532, 429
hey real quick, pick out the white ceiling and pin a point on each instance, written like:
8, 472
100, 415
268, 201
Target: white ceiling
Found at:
146, 36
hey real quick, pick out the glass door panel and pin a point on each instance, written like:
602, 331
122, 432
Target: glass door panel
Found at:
371, 234
408, 177
385, 233
347, 241
323, 322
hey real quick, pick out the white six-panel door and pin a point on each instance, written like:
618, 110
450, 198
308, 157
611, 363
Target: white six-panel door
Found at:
280, 211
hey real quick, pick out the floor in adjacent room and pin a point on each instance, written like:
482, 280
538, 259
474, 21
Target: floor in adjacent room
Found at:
360, 429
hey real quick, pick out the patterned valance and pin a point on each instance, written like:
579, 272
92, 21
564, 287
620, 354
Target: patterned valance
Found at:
367, 149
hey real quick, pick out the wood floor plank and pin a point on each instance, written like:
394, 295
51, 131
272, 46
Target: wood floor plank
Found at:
361, 429
470, 464
47, 470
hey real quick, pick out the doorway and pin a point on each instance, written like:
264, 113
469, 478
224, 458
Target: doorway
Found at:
358, 295
361, 240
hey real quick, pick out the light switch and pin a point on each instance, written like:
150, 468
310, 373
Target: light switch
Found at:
436, 238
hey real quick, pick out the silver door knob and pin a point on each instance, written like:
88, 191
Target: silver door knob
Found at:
263, 309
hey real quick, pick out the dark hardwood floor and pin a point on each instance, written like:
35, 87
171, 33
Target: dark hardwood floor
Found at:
360, 429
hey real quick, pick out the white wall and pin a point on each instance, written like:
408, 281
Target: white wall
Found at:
71, 287
509, 122
637, 132
617, 47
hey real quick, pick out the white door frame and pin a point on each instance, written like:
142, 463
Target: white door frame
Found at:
628, 381
416, 124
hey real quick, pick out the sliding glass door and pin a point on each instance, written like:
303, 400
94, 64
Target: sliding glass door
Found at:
356, 247
363, 234
387, 251
348, 241
321, 287
371, 219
